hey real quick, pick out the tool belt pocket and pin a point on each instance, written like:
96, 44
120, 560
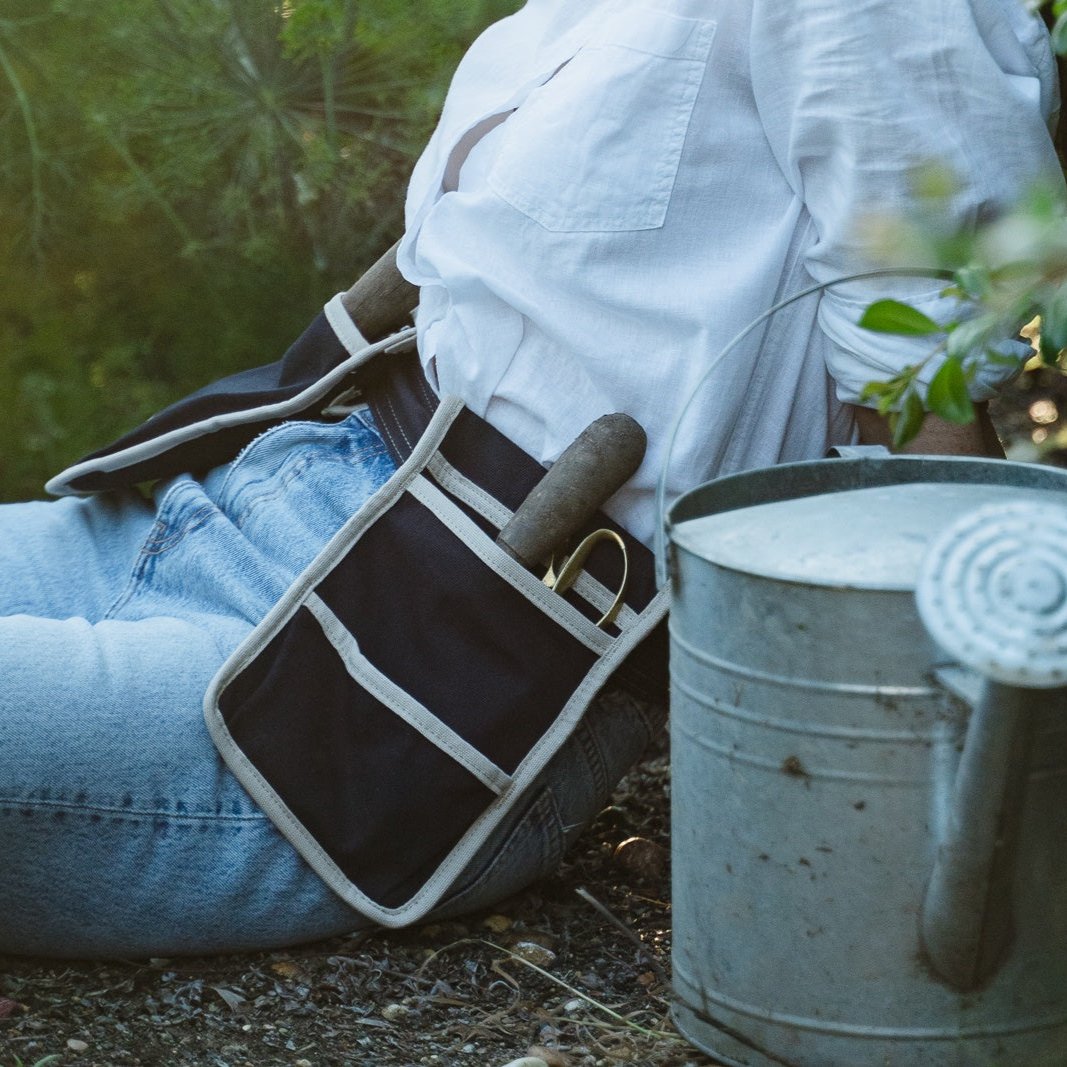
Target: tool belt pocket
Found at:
406, 692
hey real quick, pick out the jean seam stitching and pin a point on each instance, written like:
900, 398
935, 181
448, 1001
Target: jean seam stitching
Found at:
296, 470
140, 564
15, 805
594, 758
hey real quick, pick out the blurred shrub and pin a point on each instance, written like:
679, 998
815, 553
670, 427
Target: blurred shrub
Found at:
182, 185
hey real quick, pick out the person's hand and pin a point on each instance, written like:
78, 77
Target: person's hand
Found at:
937, 436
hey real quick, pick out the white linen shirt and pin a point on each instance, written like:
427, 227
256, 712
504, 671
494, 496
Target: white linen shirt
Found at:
629, 184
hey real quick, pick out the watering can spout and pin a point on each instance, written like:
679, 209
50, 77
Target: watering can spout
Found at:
999, 608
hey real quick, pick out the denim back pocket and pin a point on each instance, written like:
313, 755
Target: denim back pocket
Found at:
597, 146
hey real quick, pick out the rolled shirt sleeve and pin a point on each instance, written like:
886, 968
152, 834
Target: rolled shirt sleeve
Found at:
854, 97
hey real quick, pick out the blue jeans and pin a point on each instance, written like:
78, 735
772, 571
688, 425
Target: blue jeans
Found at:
122, 833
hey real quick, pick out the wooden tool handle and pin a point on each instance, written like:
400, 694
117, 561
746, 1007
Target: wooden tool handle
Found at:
592, 468
382, 300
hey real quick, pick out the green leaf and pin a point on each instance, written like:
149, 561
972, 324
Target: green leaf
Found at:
876, 389
1054, 321
1044, 202
947, 394
891, 316
1050, 354
967, 340
907, 422
1059, 34
974, 281
934, 181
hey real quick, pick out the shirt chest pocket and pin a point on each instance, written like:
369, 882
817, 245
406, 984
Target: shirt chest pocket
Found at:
597, 146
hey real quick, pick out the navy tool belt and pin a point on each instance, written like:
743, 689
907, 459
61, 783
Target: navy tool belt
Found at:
401, 698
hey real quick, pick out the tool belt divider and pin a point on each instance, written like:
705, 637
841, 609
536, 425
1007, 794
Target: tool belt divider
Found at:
415, 680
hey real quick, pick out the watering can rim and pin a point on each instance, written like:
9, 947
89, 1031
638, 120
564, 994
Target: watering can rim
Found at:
863, 559
864, 469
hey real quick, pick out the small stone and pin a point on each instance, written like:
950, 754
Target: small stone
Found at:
76, 1045
551, 1057
527, 1061
498, 924
534, 953
576, 1004
642, 858
395, 1012
302, 1063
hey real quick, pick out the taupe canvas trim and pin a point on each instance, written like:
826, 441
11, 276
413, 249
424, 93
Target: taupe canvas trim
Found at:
402, 704
490, 509
572, 620
462, 488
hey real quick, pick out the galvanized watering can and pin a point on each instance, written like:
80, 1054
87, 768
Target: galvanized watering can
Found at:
869, 764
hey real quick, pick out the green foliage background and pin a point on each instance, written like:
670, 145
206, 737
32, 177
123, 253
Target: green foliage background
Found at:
182, 185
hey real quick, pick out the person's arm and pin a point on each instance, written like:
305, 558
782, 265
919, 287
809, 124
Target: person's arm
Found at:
382, 300
854, 96
937, 436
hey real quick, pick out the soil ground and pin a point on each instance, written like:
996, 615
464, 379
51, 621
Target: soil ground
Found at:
575, 971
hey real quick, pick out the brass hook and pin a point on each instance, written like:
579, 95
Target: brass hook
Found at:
572, 566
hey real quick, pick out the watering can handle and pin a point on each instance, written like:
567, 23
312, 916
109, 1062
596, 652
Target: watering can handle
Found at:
662, 526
